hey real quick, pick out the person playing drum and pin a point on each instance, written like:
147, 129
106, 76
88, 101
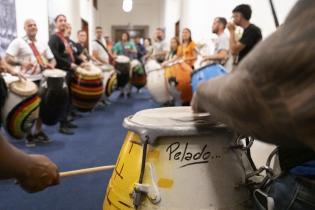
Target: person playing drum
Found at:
221, 50
271, 96
33, 56
33, 172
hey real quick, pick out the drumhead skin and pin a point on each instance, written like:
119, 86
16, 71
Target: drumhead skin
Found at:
189, 163
54, 73
23, 88
205, 73
122, 59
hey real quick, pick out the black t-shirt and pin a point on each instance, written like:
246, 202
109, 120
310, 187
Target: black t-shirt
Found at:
251, 36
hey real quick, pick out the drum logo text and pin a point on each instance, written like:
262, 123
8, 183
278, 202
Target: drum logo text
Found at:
187, 157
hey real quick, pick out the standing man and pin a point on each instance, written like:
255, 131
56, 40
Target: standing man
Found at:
140, 48
160, 48
33, 57
251, 35
99, 48
63, 52
221, 50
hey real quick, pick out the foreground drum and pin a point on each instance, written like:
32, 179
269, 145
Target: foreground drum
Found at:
87, 88
138, 78
55, 96
156, 82
109, 79
178, 77
206, 73
21, 108
175, 159
122, 66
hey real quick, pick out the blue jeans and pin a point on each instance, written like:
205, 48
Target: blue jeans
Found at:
291, 193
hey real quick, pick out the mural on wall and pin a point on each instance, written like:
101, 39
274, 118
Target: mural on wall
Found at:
7, 24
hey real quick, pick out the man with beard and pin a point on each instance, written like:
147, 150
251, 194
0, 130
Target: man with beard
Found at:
221, 50
159, 46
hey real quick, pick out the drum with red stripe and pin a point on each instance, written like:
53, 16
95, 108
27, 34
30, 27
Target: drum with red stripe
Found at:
87, 88
21, 108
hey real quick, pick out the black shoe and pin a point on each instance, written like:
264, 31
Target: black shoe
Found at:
121, 95
30, 141
71, 125
128, 95
75, 114
42, 138
66, 130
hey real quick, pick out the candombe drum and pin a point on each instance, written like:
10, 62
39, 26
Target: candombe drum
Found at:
21, 108
178, 77
206, 73
87, 88
109, 79
156, 82
138, 78
55, 96
122, 66
173, 158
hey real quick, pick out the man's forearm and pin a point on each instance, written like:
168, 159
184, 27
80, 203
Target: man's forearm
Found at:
233, 43
12, 60
12, 167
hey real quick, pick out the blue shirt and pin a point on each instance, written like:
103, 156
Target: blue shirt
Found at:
306, 169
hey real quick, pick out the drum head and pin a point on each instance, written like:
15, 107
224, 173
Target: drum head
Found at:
89, 71
56, 73
23, 88
171, 121
122, 59
152, 65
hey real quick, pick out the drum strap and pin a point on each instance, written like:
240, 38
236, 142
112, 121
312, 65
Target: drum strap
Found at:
36, 53
111, 59
67, 46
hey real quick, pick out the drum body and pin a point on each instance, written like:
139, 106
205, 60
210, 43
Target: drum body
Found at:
138, 78
206, 73
55, 96
87, 88
21, 108
178, 77
156, 82
109, 79
122, 66
189, 164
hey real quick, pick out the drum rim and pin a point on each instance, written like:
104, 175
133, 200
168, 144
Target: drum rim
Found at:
210, 64
24, 94
61, 72
152, 132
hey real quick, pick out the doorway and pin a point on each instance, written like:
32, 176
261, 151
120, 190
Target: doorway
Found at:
177, 29
117, 31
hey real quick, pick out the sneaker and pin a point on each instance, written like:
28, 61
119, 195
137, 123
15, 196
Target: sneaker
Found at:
65, 130
42, 137
121, 95
71, 125
30, 141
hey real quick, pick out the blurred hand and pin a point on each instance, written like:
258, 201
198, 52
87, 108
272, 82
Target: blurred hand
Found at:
73, 66
195, 105
49, 66
231, 26
40, 174
27, 64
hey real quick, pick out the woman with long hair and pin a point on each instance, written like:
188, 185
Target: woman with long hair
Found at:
187, 50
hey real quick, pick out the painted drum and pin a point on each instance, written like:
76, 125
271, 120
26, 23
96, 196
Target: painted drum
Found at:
156, 82
109, 79
178, 77
173, 158
205, 73
138, 77
122, 66
21, 108
55, 96
87, 88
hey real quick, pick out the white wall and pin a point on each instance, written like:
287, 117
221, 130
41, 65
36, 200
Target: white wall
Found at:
171, 13
145, 12
38, 12
199, 14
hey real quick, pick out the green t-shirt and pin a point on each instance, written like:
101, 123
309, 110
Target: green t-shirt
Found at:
119, 49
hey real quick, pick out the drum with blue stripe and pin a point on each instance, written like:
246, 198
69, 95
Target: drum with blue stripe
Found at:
206, 73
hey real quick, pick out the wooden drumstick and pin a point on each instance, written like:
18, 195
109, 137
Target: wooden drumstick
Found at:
86, 171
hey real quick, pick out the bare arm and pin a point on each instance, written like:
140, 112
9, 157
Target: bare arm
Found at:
235, 46
221, 55
271, 95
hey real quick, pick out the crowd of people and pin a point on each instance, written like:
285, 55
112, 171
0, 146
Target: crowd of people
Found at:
244, 100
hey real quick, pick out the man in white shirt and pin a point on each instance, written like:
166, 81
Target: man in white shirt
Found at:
33, 57
221, 49
160, 48
100, 52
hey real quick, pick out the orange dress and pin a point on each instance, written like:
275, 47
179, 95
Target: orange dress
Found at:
187, 52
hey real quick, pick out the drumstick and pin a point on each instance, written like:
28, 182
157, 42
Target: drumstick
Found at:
86, 171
